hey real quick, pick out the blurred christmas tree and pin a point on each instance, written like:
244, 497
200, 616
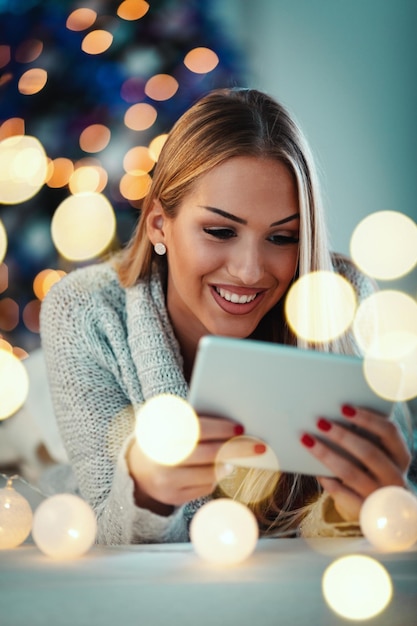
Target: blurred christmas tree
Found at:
80, 77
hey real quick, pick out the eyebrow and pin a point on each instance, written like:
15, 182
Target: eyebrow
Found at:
239, 220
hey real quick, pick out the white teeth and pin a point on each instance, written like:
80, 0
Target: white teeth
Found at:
233, 297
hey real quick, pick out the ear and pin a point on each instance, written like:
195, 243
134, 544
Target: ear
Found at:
155, 223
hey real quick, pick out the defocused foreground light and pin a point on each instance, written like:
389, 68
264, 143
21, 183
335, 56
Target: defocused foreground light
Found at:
23, 167
390, 367
388, 519
14, 384
320, 306
167, 429
224, 532
15, 517
64, 526
3, 242
83, 226
384, 245
357, 587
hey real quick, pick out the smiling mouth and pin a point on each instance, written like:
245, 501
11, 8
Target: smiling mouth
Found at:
234, 297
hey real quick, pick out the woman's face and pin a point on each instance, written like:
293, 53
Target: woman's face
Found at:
232, 249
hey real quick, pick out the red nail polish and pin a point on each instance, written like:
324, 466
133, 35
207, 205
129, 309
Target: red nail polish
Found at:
238, 429
259, 448
348, 411
307, 441
323, 424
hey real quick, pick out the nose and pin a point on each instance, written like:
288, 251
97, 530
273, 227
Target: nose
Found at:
246, 264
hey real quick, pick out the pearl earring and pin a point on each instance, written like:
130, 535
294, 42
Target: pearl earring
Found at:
160, 248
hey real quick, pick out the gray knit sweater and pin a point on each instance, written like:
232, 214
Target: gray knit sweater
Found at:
107, 350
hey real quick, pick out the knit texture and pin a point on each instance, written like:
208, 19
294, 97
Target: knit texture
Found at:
107, 350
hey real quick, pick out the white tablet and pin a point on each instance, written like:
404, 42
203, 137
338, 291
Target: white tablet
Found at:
277, 393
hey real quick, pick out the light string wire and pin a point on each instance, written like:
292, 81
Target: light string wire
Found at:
9, 478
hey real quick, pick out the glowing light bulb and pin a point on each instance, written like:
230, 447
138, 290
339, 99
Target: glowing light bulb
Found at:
167, 429
388, 518
15, 517
224, 532
64, 526
14, 384
357, 587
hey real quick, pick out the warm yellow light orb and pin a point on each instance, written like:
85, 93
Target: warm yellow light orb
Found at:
23, 168
3, 242
388, 519
15, 517
384, 245
320, 306
382, 313
167, 429
390, 367
224, 532
64, 526
357, 587
83, 226
14, 384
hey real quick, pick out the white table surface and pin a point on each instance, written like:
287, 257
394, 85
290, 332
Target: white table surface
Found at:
169, 585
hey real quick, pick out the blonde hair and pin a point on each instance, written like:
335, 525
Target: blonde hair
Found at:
228, 123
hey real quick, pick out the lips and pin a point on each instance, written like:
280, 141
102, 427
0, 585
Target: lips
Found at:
236, 300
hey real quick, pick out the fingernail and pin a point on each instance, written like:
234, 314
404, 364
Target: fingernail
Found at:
323, 424
259, 448
307, 441
348, 411
238, 429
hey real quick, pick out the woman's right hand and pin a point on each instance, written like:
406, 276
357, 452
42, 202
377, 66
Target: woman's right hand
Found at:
159, 488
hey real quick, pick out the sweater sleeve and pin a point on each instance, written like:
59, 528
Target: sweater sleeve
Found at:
93, 407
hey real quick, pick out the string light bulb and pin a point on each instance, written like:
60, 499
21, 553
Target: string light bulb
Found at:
15, 517
64, 526
388, 519
224, 532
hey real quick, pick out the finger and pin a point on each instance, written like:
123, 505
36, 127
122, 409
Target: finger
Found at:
218, 429
384, 429
371, 456
349, 472
347, 503
210, 452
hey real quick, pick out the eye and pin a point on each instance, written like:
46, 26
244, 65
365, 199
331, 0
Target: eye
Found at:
283, 240
220, 233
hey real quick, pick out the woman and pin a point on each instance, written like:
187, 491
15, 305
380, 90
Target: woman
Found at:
232, 218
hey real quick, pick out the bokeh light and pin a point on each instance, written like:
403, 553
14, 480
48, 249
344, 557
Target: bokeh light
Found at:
32, 81
30, 315
156, 146
161, 87
23, 168
138, 160
5, 55
81, 19
201, 60
132, 9
320, 306
357, 587
381, 313
95, 138
59, 172
140, 116
15, 518
388, 519
390, 368
44, 280
135, 186
14, 384
4, 270
64, 526
384, 245
97, 42
224, 532
167, 429
87, 178
3, 242
28, 51
12, 126
83, 226
9, 314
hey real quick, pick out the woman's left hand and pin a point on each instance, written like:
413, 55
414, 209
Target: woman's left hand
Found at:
382, 458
